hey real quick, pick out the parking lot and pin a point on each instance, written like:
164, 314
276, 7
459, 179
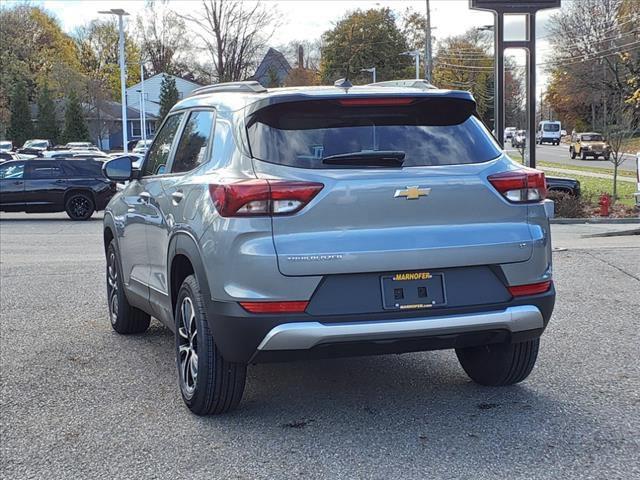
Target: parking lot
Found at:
80, 401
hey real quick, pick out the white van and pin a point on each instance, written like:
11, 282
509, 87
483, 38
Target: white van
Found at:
549, 132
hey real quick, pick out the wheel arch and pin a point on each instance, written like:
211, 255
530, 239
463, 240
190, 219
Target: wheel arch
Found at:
86, 191
108, 231
184, 259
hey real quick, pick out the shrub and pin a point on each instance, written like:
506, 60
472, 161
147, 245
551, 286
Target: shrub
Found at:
569, 206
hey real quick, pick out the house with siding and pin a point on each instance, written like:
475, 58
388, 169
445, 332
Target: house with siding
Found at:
152, 86
273, 69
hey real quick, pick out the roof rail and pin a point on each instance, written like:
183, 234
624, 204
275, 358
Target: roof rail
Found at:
249, 86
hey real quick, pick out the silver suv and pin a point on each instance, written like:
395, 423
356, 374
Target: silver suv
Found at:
292, 223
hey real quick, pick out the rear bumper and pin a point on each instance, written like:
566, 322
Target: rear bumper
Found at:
306, 335
244, 337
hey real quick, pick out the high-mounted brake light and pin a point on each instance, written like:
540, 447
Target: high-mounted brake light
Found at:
275, 307
375, 101
520, 186
530, 289
251, 198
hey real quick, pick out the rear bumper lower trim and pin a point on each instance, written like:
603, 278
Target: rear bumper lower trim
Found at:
306, 335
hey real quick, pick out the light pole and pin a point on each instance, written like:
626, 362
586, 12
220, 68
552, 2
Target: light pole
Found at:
123, 85
371, 70
415, 54
143, 115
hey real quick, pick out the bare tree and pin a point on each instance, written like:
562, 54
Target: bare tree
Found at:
164, 39
621, 127
233, 33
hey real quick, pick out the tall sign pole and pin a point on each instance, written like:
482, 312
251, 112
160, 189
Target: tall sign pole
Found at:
528, 8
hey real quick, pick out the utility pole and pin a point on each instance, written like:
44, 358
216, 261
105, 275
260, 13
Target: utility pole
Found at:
428, 59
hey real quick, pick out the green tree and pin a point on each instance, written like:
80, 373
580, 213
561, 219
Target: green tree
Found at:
272, 78
20, 127
47, 121
364, 39
75, 126
168, 95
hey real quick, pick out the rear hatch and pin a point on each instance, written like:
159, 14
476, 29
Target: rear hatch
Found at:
405, 185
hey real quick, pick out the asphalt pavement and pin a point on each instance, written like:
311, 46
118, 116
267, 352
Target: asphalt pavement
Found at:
80, 401
560, 154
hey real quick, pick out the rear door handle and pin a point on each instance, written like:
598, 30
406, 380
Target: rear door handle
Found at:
59, 181
177, 196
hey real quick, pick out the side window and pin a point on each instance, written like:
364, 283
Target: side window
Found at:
158, 155
39, 169
194, 141
12, 171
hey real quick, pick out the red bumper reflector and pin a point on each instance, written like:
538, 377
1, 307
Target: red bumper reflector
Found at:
275, 307
531, 289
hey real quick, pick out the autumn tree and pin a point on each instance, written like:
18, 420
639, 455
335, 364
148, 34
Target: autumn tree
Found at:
168, 95
233, 34
464, 63
47, 121
97, 44
20, 127
596, 61
33, 48
364, 39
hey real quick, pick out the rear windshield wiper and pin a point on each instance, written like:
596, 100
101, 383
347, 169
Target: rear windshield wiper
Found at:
369, 158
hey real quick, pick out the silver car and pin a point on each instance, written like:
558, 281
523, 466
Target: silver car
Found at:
270, 225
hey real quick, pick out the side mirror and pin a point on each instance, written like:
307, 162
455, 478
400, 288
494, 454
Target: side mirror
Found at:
119, 169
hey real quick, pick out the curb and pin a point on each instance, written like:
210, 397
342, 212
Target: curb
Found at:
595, 220
635, 231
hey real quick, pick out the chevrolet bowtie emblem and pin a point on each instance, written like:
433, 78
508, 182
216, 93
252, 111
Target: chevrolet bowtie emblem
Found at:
412, 193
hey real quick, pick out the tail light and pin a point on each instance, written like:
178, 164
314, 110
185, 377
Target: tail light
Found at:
530, 289
252, 198
520, 186
275, 307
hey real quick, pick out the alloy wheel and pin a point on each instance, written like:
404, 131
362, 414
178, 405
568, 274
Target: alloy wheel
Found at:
79, 206
188, 347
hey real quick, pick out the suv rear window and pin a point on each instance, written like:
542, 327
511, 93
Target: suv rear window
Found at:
428, 131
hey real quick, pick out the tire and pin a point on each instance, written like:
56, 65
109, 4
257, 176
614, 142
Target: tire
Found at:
125, 319
79, 206
607, 157
499, 364
214, 385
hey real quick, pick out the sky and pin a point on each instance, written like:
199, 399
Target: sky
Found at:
308, 19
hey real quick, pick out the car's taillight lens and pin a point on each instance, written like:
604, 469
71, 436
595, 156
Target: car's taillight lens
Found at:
520, 186
275, 307
530, 289
250, 198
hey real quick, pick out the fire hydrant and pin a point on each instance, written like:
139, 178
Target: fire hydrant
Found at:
605, 203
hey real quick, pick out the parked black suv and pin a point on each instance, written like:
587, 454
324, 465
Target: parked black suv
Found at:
76, 186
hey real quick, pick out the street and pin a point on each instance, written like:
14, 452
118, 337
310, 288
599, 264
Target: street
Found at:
560, 154
80, 401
